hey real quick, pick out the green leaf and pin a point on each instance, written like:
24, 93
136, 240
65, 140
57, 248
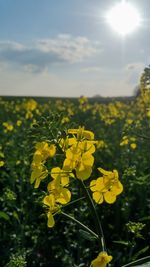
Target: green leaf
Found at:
139, 261
87, 235
4, 215
121, 242
146, 218
15, 215
143, 250
147, 264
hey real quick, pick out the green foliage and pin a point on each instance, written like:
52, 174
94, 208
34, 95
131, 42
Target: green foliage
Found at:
17, 260
23, 223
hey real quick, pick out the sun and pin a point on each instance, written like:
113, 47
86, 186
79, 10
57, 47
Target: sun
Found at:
124, 18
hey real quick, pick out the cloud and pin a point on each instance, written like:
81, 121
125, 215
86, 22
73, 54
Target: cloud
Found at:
46, 84
91, 70
68, 48
134, 66
43, 53
133, 72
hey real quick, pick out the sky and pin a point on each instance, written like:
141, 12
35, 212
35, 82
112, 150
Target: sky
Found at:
66, 48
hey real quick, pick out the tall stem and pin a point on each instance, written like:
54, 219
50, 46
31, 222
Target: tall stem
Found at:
96, 218
142, 260
80, 224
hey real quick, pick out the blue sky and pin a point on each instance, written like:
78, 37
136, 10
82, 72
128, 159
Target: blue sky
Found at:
66, 48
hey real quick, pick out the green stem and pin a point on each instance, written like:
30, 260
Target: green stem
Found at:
79, 223
96, 218
74, 201
142, 260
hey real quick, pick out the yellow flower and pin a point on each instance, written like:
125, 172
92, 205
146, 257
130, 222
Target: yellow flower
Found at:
2, 163
84, 166
101, 144
148, 112
38, 174
58, 194
8, 126
57, 186
102, 259
60, 176
19, 122
133, 145
79, 158
53, 207
28, 115
67, 142
43, 149
129, 121
18, 162
39, 171
65, 120
82, 134
124, 141
106, 187
31, 104
62, 195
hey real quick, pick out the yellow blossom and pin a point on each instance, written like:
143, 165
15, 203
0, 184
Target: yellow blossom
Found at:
52, 208
124, 141
102, 259
81, 133
133, 145
106, 187
79, 158
31, 104
58, 193
19, 122
64, 143
45, 150
65, 120
38, 174
62, 195
8, 126
2, 163
60, 176
148, 112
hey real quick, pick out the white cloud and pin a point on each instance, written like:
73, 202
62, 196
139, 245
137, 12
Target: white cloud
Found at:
11, 46
133, 72
91, 70
47, 84
69, 48
134, 66
43, 53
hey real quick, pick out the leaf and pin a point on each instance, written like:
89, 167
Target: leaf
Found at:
143, 250
87, 235
139, 261
147, 264
146, 218
15, 215
121, 242
4, 215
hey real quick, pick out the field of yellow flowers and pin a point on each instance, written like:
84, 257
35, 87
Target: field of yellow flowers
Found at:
75, 179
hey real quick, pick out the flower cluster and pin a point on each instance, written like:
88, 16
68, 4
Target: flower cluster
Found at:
8, 127
79, 152
106, 187
77, 147
127, 140
39, 170
58, 193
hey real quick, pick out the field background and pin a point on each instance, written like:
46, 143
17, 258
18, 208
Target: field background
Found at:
25, 239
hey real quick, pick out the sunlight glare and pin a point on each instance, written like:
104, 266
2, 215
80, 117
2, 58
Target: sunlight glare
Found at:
124, 18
